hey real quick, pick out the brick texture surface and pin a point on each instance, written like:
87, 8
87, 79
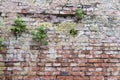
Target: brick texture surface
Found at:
94, 54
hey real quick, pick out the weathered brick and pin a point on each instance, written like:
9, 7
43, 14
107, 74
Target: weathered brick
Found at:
93, 54
79, 69
96, 78
48, 64
95, 60
64, 77
64, 64
50, 69
77, 73
80, 78
73, 64
112, 78
56, 64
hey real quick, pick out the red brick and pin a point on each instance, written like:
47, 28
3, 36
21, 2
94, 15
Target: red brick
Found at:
104, 56
64, 64
65, 78
88, 73
40, 73
113, 78
24, 64
56, 64
97, 73
8, 77
89, 56
3, 51
98, 64
81, 78
47, 77
9, 64
79, 69
105, 64
85, 52
42, 56
95, 60
35, 68
112, 69
2, 78
24, 11
52, 73
82, 64
111, 60
96, 78
77, 73
41, 64
82, 60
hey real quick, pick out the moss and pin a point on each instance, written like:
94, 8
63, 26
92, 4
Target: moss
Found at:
31, 1
2, 68
94, 27
1, 64
1, 72
46, 25
17, 64
66, 26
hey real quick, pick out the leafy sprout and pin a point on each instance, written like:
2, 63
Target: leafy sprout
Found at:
73, 32
1, 40
40, 35
79, 13
18, 27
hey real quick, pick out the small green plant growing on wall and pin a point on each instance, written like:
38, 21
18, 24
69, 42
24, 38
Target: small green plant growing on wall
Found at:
73, 32
79, 13
1, 40
18, 27
40, 36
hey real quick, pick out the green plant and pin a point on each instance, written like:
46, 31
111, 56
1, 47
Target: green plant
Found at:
1, 40
79, 13
40, 36
18, 27
73, 32
1, 24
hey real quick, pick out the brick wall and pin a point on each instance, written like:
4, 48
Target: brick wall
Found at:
94, 54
